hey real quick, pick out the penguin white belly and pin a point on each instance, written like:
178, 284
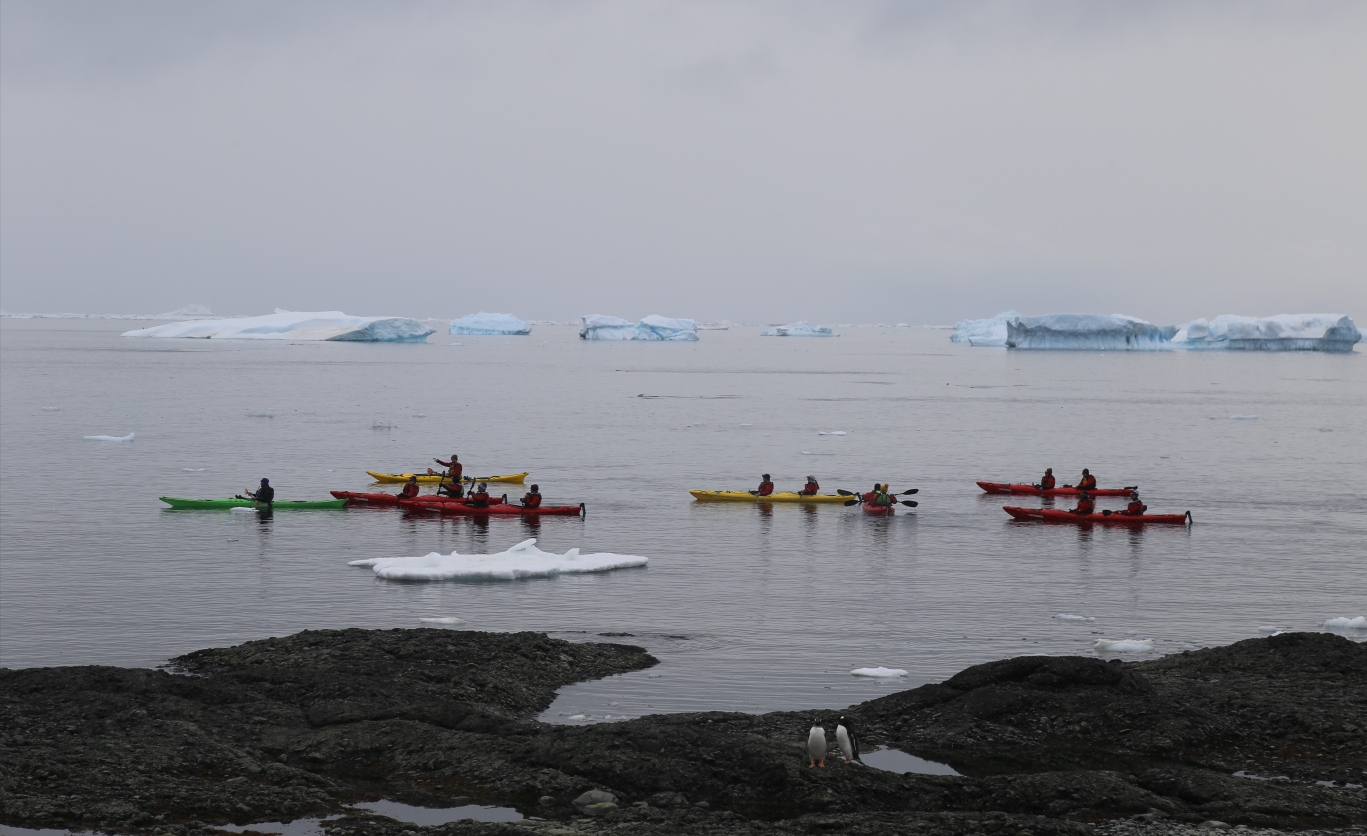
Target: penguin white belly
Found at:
842, 737
816, 745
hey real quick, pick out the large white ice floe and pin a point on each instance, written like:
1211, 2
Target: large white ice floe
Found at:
1068, 616
799, 329
991, 332
524, 560
1086, 331
1285, 332
128, 437
291, 325
490, 324
1341, 623
651, 329
878, 673
1124, 645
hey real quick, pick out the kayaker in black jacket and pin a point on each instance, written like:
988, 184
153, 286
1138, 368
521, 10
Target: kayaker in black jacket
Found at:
264, 495
1085, 505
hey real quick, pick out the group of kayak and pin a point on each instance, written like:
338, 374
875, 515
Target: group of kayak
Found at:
879, 502
1086, 491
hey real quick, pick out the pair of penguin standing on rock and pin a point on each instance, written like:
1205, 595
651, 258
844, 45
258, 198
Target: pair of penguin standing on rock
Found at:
845, 738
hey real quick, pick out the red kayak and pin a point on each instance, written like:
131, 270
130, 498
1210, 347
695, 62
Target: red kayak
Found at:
451, 505
1031, 490
879, 510
1055, 515
354, 497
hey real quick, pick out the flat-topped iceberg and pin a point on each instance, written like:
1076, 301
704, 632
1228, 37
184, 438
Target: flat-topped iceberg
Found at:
798, 329
524, 560
490, 325
652, 328
991, 332
291, 325
1285, 332
1086, 331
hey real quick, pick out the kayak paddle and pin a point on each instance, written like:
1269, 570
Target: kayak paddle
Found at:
910, 503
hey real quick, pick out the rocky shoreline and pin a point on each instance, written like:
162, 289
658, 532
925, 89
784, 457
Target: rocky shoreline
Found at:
307, 725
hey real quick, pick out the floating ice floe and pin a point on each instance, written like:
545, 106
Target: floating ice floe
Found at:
52, 409
878, 673
651, 329
524, 560
128, 437
1359, 623
192, 469
1067, 616
1124, 645
1086, 331
990, 332
490, 324
1284, 332
448, 620
830, 432
799, 329
289, 325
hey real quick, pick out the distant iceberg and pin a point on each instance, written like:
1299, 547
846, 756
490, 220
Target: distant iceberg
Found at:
1286, 332
524, 560
798, 329
652, 328
1086, 331
289, 325
490, 324
990, 332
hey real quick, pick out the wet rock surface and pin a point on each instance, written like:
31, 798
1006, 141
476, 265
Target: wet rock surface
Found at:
306, 725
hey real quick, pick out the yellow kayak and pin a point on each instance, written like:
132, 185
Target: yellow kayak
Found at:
434, 478
781, 496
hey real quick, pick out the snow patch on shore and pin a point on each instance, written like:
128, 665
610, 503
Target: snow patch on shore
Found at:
524, 560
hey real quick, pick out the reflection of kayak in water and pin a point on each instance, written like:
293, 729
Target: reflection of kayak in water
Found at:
450, 505
434, 478
783, 496
234, 502
1032, 490
1055, 515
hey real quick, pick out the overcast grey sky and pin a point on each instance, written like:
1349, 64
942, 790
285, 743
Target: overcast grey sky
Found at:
757, 161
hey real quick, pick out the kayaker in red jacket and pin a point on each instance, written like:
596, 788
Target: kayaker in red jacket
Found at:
454, 469
479, 497
1135, 508
880, 495
532, 499
1085, 505
410, 488
1087, 482
810, 488
1048, 482
765, 487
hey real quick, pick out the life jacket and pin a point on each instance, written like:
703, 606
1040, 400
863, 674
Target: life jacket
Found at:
1084, 506
1087, 483
1135, 508
765, 488
531, 500
409, 491
1047, 483
477, 500
451, 490
882, 498
809, 489
455, 471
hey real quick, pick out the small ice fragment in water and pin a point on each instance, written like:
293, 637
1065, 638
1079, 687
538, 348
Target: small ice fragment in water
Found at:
419, 415
128, 437
747, 425
455, 343
1359, 623
442, 620
59, 409
379, 425
1067, 616
832, 432
1268, 628
1243, 417
192, 469
1124, 646
576, 717
878, 672
260, 414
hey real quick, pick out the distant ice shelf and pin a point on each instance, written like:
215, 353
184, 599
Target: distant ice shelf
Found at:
989, 332
650, 329
291, 325
524, 560
799, 329
1284, 332
490, 325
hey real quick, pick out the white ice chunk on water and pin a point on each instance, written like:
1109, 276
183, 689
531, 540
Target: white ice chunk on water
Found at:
1269, 628
490, 324
1086, 331
988, 332
446, 619
1067, 616
651, 329
1243, 417
1284, 332
192, 469
1124, 645
524, 560
289, 325
799, 329
1359, 623
52, 409
878, 673
128, 437
831, 432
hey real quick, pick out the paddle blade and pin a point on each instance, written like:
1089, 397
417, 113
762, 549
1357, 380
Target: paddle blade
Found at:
910, 503
910, 492
1106, 513
851, 502
844, 493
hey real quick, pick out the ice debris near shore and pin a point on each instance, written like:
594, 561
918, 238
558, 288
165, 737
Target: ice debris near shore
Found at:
490, 325
1086, 331
1359, 623
1124, 645
1067, 616
1285, 332
128, 437
991, 332
291, 325
524, 560
878, 673
651, 329
799, 329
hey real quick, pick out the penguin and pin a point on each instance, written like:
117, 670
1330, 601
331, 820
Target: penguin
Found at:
816, 745
849, 742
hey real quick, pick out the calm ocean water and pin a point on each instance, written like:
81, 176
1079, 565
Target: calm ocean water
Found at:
750, 608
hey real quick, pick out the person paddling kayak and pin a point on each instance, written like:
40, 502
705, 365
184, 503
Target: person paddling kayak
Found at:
1085, 505
410, 488
1135, 508
479, 497
810, 488
766, 487
454, 469
1047, 482
1087, 482
264, 495
532, 499
880, 495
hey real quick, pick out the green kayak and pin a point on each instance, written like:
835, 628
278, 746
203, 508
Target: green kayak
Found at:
223, 504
